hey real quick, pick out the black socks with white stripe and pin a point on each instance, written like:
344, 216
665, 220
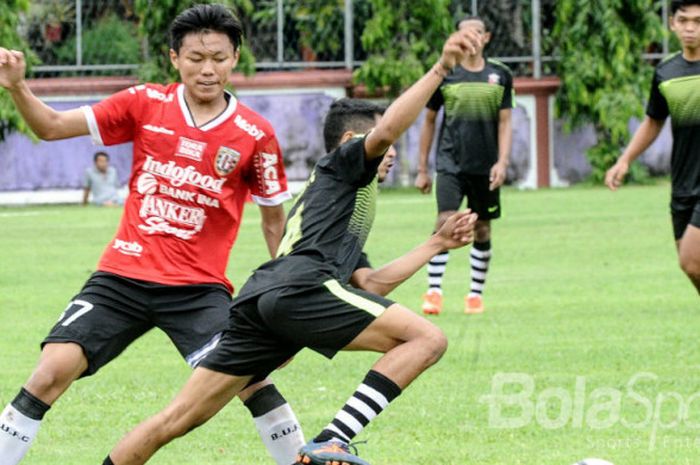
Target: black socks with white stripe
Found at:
372, 396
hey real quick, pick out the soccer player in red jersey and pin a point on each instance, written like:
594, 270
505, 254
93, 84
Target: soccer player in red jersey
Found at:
197, 154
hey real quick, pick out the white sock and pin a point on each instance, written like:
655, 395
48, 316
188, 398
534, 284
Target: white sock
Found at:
17, 431
281, 433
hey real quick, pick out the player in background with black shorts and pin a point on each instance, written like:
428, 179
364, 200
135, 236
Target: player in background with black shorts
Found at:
675, 92
473, 153
197, 154
320, 291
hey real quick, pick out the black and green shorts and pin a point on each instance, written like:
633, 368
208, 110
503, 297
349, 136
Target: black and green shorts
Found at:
267, 330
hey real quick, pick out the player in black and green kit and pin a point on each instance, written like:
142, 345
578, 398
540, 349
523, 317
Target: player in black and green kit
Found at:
675, 91
473, 152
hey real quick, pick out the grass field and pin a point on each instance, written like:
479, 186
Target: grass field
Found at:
589, 346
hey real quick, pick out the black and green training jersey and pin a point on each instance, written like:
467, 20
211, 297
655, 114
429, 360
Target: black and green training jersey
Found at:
327, 226
675, 91
468, 137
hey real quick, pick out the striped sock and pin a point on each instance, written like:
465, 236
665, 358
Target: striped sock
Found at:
436, 269
371, 397
479, 259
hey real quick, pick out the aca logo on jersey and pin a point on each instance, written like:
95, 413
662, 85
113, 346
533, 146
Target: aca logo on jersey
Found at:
270, 175
226, 161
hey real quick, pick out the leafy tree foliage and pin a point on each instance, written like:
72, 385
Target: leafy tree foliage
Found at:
402, 40
604, 78
10, 118
155, 18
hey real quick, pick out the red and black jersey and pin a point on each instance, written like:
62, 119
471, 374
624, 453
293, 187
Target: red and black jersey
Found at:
188, 184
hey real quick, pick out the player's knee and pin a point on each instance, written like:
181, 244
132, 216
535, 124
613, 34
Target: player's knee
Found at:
690, 267
434, 344
48, 382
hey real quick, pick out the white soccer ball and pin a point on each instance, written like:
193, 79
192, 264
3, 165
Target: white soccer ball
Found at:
593, 462
146, 184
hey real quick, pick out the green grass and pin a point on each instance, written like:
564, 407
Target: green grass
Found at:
584, 283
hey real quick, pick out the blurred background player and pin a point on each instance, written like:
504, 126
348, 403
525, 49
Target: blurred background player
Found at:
197, 154
102, 181
675, 92
319, 292
473, 152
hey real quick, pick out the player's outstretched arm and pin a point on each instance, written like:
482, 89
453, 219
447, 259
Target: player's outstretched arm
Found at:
456, 232
405, 109
647, 133
47, 123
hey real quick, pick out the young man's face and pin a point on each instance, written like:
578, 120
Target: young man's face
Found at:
686, 25
386, 164
101, 163
205, 62
480, 29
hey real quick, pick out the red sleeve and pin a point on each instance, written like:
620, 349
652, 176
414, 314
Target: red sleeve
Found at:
266, 177
114, 119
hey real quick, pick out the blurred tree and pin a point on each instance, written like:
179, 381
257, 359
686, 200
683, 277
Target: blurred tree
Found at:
155, 18
10, 118
604, 80
402, 40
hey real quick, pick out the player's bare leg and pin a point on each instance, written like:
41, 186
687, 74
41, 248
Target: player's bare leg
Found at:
689, 254
59, 365
411, 344
204, 394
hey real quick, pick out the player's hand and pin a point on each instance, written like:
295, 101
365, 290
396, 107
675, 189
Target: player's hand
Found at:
423, 183
497, 176
616, 175
464, 42
457, 230
12, 67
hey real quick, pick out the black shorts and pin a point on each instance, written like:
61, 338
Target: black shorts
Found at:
684, 211
269, 329
111, 311
452, 188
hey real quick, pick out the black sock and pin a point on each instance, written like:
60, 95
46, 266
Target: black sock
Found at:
264, 400
108, 461
29, 405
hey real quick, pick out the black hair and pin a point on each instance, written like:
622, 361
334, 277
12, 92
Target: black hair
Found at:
348, 114
100, 154
680, 4
483, 21
204, 18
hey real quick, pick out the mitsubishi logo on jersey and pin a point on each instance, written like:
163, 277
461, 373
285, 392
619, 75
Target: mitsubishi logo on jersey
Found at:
179, 175
249, 127
192, 149
270, 175
159, 214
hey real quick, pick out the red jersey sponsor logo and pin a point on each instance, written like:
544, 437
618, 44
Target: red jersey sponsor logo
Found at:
189, 148
270, 174
160, 214
128, 248
179, 176
250, 128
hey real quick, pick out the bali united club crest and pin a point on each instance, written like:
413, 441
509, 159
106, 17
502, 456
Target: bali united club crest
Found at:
226, 161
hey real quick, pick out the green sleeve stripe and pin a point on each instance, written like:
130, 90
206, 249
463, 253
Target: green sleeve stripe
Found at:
353, 299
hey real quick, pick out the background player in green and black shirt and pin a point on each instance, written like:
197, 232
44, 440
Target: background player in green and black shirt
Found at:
675, 91
319, 292
473, 152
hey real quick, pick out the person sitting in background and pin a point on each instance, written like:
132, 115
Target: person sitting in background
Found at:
101, 179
